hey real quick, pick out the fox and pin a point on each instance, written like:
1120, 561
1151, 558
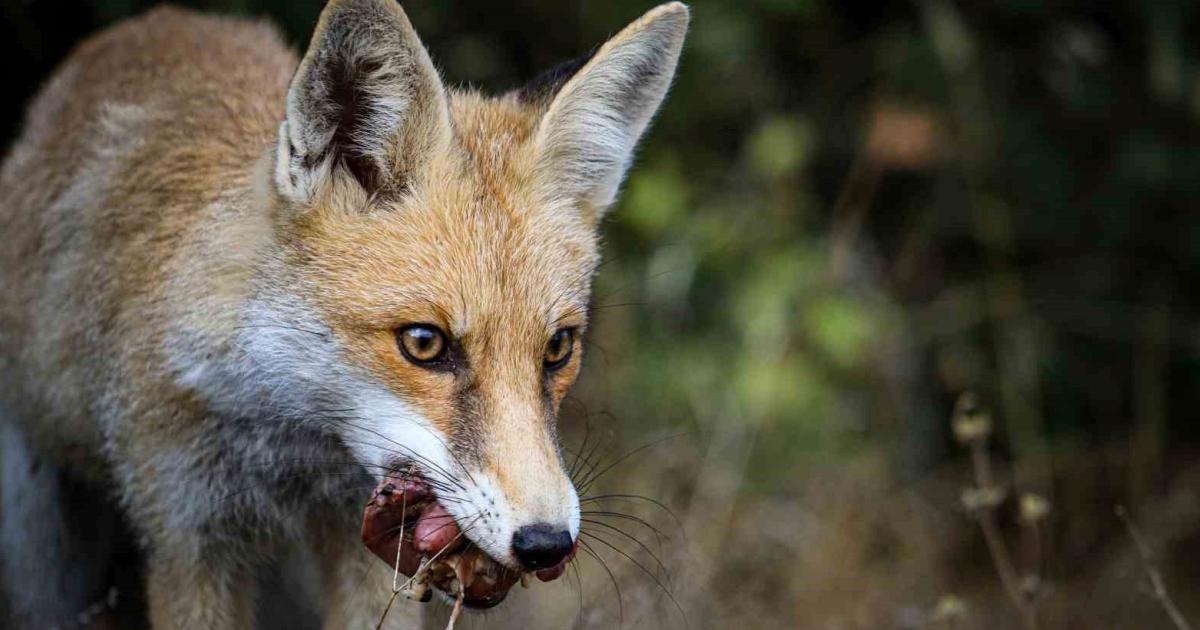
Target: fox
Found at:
240, 287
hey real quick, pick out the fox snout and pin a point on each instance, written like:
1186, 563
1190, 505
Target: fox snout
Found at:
520, 504
543, 506
538, 519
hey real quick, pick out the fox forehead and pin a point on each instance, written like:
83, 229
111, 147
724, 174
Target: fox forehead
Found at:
473, 243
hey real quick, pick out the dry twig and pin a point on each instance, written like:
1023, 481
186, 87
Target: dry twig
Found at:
1158, 586
972, 427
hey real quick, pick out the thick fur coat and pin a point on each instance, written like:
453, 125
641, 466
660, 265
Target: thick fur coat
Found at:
208, 249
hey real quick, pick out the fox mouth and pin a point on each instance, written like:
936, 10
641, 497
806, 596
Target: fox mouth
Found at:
406, 526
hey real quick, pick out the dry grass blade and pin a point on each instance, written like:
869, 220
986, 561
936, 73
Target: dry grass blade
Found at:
1155, 576
396, 573
386, 610
454, 614
420, 570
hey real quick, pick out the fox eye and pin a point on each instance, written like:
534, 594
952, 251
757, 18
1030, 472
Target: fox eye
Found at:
422, 344
559, 348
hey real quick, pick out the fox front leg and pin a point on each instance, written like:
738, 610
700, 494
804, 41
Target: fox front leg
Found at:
188, 590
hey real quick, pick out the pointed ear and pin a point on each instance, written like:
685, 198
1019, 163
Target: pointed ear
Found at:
586, 137
366, 102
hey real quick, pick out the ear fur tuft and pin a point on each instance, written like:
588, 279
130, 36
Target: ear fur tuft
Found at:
366, 101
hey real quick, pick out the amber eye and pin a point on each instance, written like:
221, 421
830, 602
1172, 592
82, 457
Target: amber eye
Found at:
422, 344
559, 348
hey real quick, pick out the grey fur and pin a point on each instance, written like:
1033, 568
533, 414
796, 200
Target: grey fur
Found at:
49, 520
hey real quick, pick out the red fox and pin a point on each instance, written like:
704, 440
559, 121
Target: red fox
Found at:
238, 290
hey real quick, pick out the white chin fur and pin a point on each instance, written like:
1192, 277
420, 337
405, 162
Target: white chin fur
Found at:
389, 429
573, 513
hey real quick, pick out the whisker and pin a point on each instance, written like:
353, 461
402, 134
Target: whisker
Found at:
395, 471
283, 327
278, 480
579, 590
328, 418
583, 544
314, 474
592, 478
343, 416
449, 450
408, 452
573, 469
637, 497
662, 567
628, 517
643, 569
593, 462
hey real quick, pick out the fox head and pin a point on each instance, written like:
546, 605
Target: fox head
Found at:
435, 256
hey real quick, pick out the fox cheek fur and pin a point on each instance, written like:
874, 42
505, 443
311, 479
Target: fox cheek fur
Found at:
208, 263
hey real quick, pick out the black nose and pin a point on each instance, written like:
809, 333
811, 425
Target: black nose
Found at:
541, 546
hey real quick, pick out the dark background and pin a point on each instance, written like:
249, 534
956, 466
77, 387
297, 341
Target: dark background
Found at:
846, 215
